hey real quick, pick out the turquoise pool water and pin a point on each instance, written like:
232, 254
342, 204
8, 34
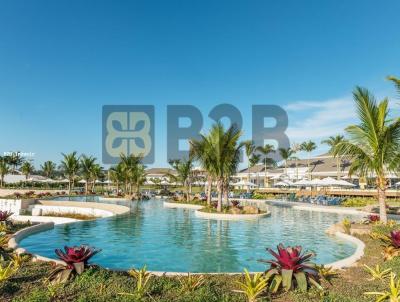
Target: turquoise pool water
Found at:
176, 240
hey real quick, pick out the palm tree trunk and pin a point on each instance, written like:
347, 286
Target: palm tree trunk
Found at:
226, 193
86, 187
219, 188
308, 166
1, 181
209, 189
69, 187
381, 184
248, 177
117, 187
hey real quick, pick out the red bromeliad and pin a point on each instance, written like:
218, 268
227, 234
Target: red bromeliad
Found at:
291, 267
374, 218
76, 258
395, 238
4, 215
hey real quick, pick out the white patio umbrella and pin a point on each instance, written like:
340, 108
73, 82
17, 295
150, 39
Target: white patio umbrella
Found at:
82, 181
344, 183
328, 182
304, 183
284, 184
243, 184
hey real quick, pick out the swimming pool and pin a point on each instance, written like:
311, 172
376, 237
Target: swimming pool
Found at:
175, 240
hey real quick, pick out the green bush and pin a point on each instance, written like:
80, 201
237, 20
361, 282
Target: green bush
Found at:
358, 202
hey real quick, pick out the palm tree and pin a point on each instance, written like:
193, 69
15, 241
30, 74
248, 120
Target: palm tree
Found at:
373, 144
70, 167
201, 151
266, 150
249, 148
48, 168
224, 147
96, 173
4, 169
87, 164
396, 82
129, 164
254, 160
117, 175
184, 174
15, 160
286, 154
332, 142
308, 147
27, 169
139, 177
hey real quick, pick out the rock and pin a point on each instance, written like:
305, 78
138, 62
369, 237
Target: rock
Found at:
251, 210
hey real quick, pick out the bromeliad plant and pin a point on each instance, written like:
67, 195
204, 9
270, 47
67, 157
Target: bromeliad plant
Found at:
377, 273
291, 269
4, 216
76, 259
392, 294
253, 288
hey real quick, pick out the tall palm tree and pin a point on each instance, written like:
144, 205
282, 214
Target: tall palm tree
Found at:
70, 168
373, 145
224, 148
332, 142
201, 151
139, 177
308, 147
48, 168
286, 154
27, 169
396, 82
184, 174
129, 164
254, 160
4, 169
87, 164
249, 148
117, 175
265, 151
15, 160
96, 173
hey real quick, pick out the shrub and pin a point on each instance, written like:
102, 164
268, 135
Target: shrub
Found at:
191, 282
291, 269
392, 295
5, 215
6, 272
142, 277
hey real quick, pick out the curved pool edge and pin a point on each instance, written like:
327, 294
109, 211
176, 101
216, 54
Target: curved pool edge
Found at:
21, 234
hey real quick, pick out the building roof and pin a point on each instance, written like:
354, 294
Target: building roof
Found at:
160, 171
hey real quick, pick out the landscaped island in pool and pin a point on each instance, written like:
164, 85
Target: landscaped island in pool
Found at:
175, 240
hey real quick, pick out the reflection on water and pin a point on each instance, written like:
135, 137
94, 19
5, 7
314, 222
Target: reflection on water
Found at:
176, 240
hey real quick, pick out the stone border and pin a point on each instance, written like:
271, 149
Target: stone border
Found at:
351, 260
175, 205
21, 234
219, 216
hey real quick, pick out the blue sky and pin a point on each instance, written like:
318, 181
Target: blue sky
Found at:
61, 61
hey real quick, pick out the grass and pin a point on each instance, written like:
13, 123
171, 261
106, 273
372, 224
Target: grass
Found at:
71, 215
98, 284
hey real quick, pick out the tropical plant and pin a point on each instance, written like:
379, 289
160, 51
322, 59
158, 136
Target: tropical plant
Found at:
76, 259
129, 164
18, 259
395, 238
254, 160
14, 159
396, 82
326, 272
70, 168
291, 269
377, 273
191, 282
48, 168
27, 169
4, 216
373, 218
249, 148
268, 161
142, 278
346, 223
223, 147
374, 144
184, 174
332, 142
117, 175
390, 252
87, 164
252, 287
286, 154
6, 272
4, 169
308, 147
391, 295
